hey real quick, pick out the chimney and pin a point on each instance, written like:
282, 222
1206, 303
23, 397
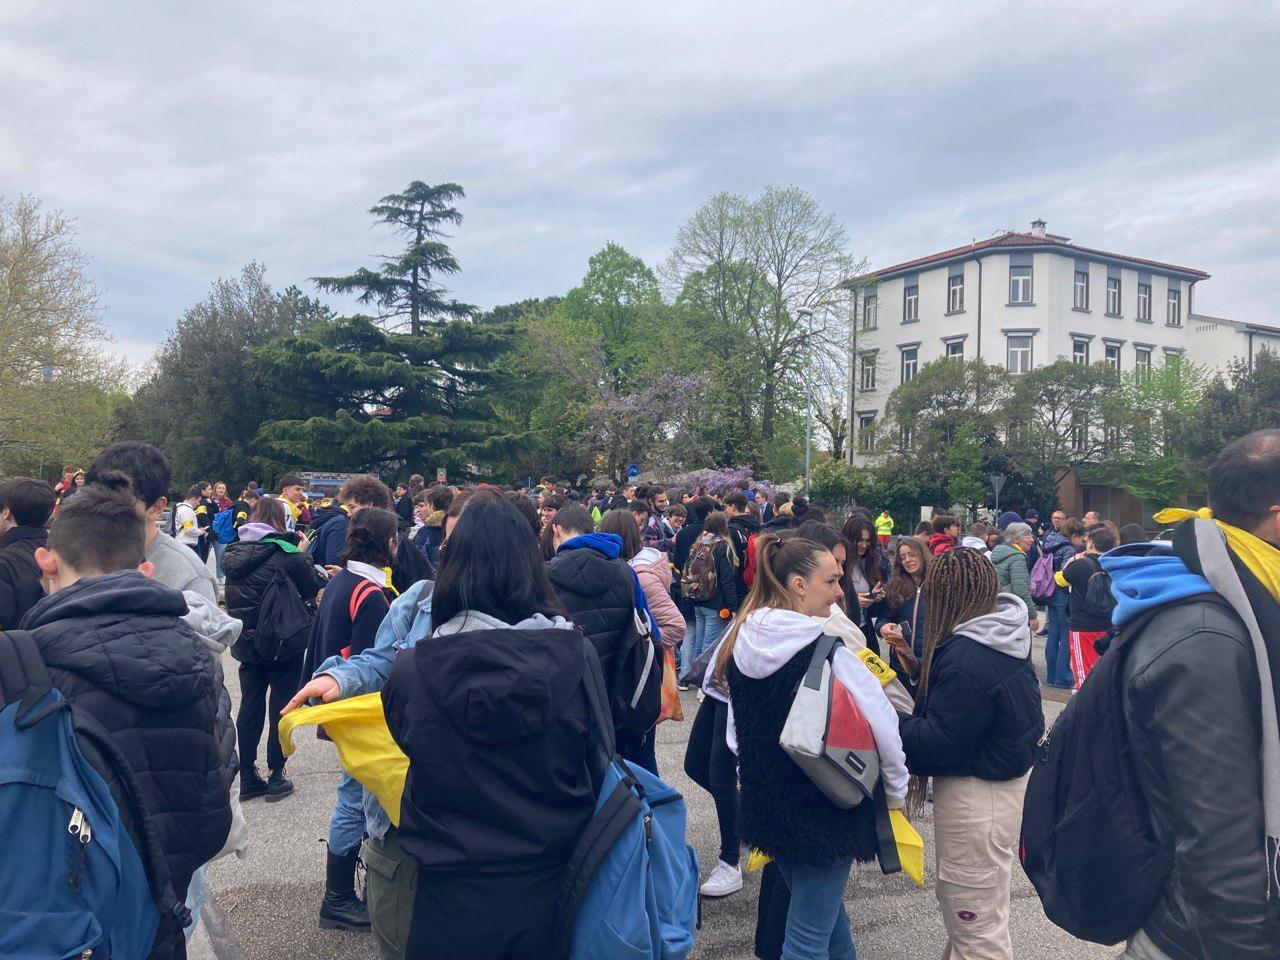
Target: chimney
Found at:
1037, 228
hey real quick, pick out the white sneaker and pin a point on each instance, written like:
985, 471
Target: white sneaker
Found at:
723, 881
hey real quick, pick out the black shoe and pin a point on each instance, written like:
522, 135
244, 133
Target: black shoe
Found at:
278, 787
252, 786
341, 909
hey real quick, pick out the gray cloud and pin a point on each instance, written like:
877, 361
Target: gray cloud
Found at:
187, 142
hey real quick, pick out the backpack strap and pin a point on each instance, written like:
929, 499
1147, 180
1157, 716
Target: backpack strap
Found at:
364, 589
24, 679
822, 652
604, 746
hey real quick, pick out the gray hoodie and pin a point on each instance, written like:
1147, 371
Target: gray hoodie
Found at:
1005, 629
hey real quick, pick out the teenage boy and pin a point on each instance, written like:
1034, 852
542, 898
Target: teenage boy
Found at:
356, 494
294, 498
946, 534
117, 649
186, 520
1085, 625
25, 505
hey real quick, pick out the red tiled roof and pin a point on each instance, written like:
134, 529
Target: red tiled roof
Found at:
1011, 238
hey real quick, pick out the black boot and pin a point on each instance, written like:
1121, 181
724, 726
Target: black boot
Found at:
252, 785
341, 909
278, 786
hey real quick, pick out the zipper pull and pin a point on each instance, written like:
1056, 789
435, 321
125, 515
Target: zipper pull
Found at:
77, 822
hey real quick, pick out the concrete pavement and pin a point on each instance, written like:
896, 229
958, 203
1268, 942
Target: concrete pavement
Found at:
264, 906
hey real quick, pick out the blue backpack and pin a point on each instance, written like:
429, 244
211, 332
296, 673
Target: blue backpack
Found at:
631, 887
223, 527
72, 883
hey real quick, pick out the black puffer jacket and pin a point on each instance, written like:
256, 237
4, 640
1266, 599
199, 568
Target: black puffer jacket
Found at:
116, 648
1191, 702
20, 587
981, 715
599, 594
250, 569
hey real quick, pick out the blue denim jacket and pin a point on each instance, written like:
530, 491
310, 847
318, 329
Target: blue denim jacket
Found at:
407, 622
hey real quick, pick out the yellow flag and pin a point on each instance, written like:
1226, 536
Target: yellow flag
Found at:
757, 860
910, 846
366, 750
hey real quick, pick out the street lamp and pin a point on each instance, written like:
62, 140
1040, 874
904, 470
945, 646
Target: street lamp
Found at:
806, 314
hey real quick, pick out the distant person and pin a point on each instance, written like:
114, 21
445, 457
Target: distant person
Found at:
359, 492
945, 536
294, 497
25, 506
976, 538
1012, 571
1133, 533
186, 525
438, 500
884, 527
1086, 624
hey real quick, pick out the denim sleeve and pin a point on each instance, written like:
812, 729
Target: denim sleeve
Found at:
367, 671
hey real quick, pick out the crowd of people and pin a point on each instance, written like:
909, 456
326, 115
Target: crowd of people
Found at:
478, 612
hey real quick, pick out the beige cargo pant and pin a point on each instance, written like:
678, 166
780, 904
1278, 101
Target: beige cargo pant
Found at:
976, 825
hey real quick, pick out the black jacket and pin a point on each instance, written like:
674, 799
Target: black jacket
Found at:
20, 587
497, 730
250, 569
726, 595
329, 535
981, 716
783, 813
599, 594
1078, 573
1191, 702
741, 529
116, 648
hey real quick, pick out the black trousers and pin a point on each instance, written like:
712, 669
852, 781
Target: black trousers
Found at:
264, 689
711, 765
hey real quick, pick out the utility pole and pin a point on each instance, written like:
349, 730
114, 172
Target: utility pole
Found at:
806, 314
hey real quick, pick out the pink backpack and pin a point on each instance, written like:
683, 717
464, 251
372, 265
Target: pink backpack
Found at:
1042, 582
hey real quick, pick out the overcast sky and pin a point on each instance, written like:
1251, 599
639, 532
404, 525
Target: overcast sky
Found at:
189, 139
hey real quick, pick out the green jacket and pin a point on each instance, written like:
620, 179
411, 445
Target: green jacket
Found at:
1014, 574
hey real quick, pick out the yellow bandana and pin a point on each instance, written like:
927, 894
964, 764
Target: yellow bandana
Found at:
1262, 559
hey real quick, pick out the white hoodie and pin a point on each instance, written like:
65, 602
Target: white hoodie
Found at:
770, 637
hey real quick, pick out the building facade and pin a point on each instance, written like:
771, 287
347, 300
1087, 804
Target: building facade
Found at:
1024, 300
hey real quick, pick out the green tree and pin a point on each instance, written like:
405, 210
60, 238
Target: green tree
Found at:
204, 400
354, 396
965, 481
924, 414
1231, 405
404, 288
1061, 417
835, 484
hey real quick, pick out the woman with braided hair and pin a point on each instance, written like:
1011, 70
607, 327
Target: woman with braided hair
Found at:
763, 659
974, 729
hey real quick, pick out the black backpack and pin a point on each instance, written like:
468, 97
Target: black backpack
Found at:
410, 566
284, 620
637, 681
1098, 601
1088, 845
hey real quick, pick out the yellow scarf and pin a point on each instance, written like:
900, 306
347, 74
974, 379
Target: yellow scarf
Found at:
1262, 559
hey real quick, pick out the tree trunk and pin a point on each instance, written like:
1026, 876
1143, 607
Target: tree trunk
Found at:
415, 320
766, 410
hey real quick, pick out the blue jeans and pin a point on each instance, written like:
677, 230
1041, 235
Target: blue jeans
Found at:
1057, 648
706, 630
346, 826
817, 925
218, 547
686, 645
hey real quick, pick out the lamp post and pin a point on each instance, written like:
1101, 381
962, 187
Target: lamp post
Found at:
806, 314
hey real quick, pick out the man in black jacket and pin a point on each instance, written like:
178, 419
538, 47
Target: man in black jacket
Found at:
116, 648
742, 527
25, 505
1195, 701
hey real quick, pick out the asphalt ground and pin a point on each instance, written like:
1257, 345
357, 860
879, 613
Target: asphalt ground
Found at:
264, 907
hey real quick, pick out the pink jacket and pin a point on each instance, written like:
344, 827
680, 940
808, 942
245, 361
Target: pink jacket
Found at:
653, 570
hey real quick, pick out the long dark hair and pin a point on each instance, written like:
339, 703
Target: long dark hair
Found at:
854, 527
491, 564
369, 536
902, 585
623, 523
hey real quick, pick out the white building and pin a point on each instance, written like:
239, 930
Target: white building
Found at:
1025, 300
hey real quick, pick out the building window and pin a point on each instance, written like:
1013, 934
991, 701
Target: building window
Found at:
1019, 360
910, 362
867, 371
955, 349
1113, 296
1142, 360
1079, 432
866, 433
955, 293
1175, 308
910, 304
1081, 297
1113, 355
1144, 301
1019, 284
1079, 351
908, 437
870, 309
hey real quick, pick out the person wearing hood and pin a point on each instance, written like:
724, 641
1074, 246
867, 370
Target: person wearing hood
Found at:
976, 539
428, 539
599, 592
1006, 518
493, 716
1012, 571
762, 660
117, 649
25, 506
1200, 703
974, 730
1062, 545
264, 554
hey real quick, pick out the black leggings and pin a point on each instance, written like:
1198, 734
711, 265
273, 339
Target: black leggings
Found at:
711, 765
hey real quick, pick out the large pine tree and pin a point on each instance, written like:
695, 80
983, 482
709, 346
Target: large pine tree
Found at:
404, 289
